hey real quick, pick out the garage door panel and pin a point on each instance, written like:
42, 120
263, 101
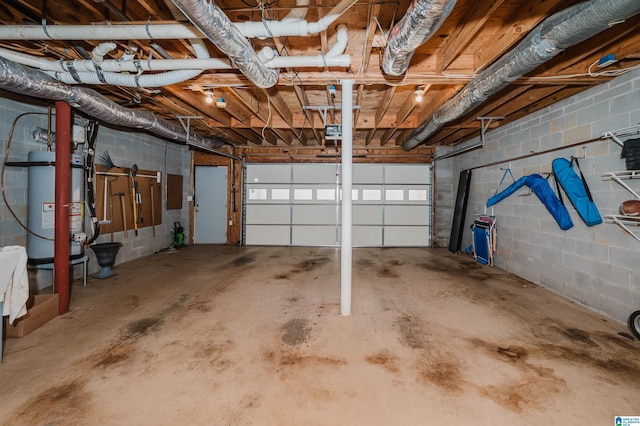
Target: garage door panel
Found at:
391, 204
314, 173
314, 214
269, 194
366, 236
406, 236
367, 173
407, 174
269, 173
269, 214
402, 215
272, 235
366, 215
313, 235
368, 194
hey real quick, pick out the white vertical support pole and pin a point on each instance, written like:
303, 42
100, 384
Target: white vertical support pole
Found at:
347, 160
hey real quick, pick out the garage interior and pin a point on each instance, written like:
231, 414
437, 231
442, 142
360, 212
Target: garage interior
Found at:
209, 146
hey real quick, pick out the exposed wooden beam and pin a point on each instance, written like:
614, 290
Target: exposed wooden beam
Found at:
377, 78
370, 32
381, 111
356, 112
302, 99
247, 136
604, 42
365, 122
513, 30
253, 107
475, 18
197, 101
386, 136
152, 9
276, 101
434, 100
89, 5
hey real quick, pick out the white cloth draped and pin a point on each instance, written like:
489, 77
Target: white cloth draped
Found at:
14, 281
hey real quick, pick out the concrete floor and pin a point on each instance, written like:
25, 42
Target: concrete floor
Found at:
252, 336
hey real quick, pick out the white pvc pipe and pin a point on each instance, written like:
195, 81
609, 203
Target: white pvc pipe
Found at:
116, 65
292, 25
178, 69
333, 58
298, 12
329, 18
318, 61
113, 78
99, 52
100, 32
347, 160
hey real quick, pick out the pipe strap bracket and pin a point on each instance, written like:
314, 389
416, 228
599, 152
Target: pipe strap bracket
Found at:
100, 74
44, 29
68, 65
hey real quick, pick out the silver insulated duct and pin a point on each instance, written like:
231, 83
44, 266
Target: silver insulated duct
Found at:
214, 24
28, 81
556, 33
423, 18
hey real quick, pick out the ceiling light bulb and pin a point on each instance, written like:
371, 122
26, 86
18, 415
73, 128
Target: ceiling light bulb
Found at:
418, 98
209, 98
419, 93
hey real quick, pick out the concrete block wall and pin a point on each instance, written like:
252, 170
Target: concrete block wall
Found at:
596, 266
444, 198
148, 153
125, 148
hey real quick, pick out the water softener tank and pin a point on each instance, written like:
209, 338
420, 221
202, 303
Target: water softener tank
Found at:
41, 206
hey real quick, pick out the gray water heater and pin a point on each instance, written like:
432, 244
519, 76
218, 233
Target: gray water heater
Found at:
41, 206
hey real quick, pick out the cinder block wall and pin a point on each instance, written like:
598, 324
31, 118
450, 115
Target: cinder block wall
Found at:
596, 266
125, 148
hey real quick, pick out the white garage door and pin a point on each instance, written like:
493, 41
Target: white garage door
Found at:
299, 205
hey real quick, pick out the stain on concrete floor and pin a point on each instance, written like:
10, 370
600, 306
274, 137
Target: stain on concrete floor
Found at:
434, 338
296, 331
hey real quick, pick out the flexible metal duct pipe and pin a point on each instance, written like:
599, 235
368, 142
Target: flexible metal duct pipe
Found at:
556, 33
423, 18
27, 81
213, 23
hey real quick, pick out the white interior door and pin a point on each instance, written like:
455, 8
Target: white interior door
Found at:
211, 205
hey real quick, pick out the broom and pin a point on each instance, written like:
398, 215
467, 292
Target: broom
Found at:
105, 160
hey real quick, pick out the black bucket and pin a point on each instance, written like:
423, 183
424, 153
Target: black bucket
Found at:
106, 256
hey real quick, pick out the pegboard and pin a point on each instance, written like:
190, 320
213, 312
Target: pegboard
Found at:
119, 204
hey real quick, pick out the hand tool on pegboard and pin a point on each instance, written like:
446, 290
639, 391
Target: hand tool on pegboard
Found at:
153, 209
124, 213
134, 196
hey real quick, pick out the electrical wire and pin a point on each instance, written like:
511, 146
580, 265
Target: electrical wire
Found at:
90, 171
590, 73
4, 164
268, 117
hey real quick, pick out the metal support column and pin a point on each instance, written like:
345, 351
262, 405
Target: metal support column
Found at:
347, 166
62, 195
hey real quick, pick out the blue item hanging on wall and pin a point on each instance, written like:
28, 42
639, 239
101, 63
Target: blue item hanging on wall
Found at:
576, 189
543, 191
